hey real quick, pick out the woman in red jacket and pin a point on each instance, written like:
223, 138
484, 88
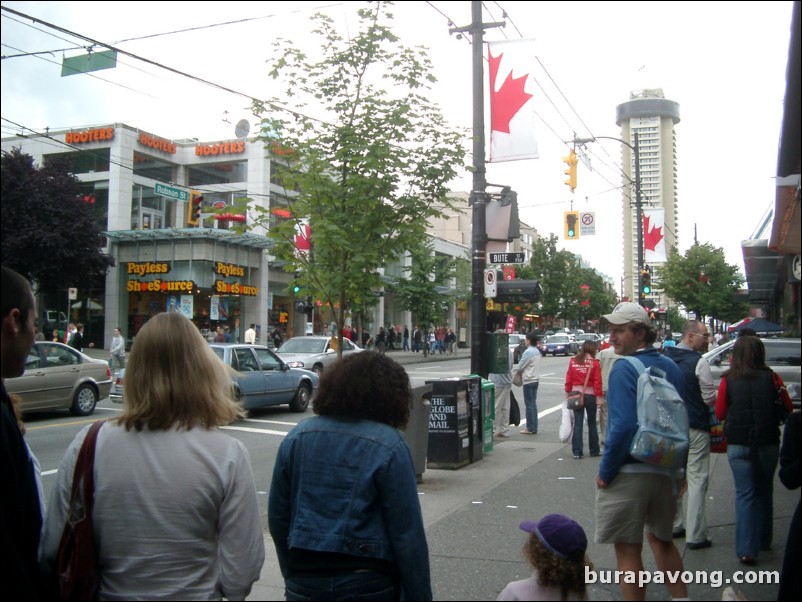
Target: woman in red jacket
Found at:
575, 380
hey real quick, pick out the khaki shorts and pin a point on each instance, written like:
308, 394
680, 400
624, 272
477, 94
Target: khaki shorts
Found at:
632, 502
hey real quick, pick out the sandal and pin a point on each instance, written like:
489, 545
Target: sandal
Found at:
748, 560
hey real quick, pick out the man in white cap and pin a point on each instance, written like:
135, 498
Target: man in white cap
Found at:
634, 496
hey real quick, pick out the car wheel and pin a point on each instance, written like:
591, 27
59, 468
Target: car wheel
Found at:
300, 402
84, 401
318, 369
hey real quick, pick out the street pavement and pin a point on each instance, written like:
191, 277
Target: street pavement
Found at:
472, 514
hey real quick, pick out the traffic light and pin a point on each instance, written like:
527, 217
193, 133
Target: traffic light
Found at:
571, 161
572, 225
194, 208
646, 282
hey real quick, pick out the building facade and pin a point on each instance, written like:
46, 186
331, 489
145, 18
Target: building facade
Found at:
140, 185
142, 188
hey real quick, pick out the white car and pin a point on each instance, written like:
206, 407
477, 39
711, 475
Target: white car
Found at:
313, 353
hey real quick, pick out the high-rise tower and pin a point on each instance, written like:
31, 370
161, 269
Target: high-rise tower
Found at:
653, 117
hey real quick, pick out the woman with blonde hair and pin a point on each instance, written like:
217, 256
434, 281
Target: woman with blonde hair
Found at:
175, 508
584, 376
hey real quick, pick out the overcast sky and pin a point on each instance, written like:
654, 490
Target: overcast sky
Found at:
724, 63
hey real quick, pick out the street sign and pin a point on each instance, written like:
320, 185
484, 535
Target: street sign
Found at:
72, 294
506, 258
170, 192
587, 224
491, 282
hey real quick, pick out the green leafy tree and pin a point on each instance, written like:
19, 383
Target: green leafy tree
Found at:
600, 299
369, 176
558, 274
48, 233
421, 290
704, 283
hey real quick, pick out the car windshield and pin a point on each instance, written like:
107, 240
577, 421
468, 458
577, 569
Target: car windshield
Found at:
558, 339
303, 345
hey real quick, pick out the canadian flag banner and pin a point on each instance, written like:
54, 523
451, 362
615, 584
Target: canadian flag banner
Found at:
512, 108
654, 241
303, 236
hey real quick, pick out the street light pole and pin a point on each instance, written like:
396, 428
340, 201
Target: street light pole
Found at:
638, 204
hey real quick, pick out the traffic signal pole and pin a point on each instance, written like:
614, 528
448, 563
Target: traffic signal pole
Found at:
478, 196
638, 205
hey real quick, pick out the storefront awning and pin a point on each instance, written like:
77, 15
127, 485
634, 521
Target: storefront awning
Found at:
785, 229
202, 234
762, 267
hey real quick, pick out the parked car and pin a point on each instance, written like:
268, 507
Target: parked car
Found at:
313, 353
518, 345
782, 356
560, 344
262, 379
59, 377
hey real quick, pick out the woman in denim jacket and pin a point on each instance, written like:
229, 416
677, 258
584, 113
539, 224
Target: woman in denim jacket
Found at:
343, 508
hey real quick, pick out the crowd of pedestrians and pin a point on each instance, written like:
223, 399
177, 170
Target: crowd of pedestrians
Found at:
176, 513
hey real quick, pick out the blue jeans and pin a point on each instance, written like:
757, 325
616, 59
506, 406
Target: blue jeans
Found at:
753, 473
367, 586
530, 400
593, 434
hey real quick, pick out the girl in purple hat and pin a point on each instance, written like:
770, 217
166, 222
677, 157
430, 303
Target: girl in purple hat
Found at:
556, 550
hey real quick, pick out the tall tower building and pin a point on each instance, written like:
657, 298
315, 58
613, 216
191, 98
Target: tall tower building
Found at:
653, 118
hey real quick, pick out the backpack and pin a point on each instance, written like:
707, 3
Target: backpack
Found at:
662, 435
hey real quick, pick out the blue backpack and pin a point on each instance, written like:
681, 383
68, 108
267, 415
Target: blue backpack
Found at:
662, 436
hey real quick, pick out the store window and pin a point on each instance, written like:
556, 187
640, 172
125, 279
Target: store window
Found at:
150, 211
153, 167
81, 162
217, 173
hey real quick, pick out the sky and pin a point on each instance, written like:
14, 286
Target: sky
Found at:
724, 63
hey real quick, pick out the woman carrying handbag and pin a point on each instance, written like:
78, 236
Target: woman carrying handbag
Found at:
581, 369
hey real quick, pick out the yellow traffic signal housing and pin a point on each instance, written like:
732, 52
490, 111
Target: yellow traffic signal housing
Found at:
646, 282
571, 161
194, 208
571, 225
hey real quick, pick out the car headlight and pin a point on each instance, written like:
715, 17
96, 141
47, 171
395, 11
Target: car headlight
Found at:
295, 364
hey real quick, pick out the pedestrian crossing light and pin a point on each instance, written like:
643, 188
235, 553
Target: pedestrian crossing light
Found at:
571, 161
571, 225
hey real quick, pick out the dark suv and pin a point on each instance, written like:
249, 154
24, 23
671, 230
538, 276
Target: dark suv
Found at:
782, 356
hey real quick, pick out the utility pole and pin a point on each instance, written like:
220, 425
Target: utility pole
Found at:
478, 197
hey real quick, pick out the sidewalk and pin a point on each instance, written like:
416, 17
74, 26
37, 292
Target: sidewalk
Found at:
472, 514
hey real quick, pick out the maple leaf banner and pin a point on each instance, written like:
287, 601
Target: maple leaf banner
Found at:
512, 108
654, 240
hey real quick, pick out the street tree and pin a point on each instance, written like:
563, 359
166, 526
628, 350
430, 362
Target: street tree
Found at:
558, 273
49, 233
423, 288
368, 175
703, 282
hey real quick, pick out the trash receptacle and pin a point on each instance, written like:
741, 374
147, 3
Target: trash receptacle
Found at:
416, 434
455, 435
